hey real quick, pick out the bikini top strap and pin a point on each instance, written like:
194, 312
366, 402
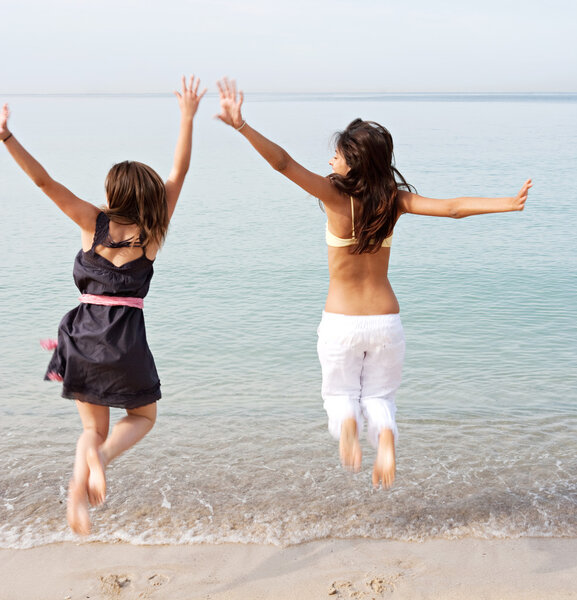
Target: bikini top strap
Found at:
353, 216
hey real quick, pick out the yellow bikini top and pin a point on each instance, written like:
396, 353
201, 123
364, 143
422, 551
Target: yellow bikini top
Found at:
337, 242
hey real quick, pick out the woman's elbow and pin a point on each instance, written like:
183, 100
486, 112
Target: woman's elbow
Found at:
42, 182
454, 211
281, 163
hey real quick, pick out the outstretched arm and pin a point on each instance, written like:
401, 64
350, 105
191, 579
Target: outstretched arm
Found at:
457, 208
278, 158
81, 212
188, 101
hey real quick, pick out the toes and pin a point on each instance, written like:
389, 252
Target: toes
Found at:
350, 449
376, 478
357, 458
383, 475
351, 458
77, 510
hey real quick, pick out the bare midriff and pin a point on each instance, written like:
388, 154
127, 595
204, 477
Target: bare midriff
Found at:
359, 284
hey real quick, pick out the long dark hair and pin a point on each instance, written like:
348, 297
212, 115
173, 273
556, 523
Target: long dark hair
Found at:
136, 194
372, 180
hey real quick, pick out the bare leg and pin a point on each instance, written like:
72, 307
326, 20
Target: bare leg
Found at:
127, 432
384, 469
95, 420
349, 446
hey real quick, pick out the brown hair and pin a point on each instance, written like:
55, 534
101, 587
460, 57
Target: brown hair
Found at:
136, 194
372, 180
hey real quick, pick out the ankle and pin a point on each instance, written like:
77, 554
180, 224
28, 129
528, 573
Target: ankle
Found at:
386, 438
103, 455
349, 426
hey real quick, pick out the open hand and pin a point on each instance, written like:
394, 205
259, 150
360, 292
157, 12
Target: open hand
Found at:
229, 104
521, 197
4, 114
189, 98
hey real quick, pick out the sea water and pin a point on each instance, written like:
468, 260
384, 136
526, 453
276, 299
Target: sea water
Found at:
487, 411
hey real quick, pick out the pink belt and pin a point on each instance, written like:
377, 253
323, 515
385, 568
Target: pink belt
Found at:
111, 300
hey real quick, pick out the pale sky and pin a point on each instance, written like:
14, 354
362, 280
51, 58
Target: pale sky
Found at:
61, 46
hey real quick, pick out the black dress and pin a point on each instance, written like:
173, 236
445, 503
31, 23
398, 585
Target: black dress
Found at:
102, 356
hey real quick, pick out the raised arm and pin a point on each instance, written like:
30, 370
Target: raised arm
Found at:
81, 212
457, 208
188, 101
278, 158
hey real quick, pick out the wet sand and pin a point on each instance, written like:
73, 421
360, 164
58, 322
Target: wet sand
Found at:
530, 568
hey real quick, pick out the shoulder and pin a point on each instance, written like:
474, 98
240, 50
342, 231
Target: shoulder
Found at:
94, 234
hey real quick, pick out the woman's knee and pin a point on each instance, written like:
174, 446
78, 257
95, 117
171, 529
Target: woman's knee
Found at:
95, 418
147, 413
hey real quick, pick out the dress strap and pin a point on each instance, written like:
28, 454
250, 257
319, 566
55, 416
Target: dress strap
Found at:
101, 230
102, 235
353, 217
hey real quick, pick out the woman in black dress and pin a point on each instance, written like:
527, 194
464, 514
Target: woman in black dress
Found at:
102, 356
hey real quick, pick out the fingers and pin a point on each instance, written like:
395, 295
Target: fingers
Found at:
526, 186
224, 88
190, 88
227, 89
5, 112
524, 191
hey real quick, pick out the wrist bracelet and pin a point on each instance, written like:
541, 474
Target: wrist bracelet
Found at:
239, 128
7, 137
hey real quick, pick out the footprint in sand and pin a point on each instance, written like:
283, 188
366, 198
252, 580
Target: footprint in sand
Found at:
127, 587
371, 588
113, 585
157, 580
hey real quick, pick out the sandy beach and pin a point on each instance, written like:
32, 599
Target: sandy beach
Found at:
527, 569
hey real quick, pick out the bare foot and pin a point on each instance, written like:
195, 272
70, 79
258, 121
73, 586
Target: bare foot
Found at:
349, 447
96, 478
77, 509
384, 469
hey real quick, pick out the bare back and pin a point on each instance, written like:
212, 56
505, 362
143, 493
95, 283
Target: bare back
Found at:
358, 283
123, 254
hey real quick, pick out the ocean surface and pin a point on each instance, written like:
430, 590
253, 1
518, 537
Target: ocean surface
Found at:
487, 411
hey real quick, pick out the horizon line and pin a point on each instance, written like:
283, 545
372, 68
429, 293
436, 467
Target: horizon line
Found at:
304, 93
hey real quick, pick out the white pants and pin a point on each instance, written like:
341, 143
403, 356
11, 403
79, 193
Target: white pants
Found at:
361, 360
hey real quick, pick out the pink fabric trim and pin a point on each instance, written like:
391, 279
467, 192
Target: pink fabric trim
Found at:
54, 376
49, 344
111, 300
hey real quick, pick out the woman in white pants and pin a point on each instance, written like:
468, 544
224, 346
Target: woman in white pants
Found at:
361, 344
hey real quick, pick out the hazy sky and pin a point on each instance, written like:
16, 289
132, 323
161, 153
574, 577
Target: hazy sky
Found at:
296, 45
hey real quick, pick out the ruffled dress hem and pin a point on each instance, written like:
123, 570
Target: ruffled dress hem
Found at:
126, 401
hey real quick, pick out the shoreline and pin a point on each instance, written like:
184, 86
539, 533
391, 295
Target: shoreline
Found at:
364, 569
